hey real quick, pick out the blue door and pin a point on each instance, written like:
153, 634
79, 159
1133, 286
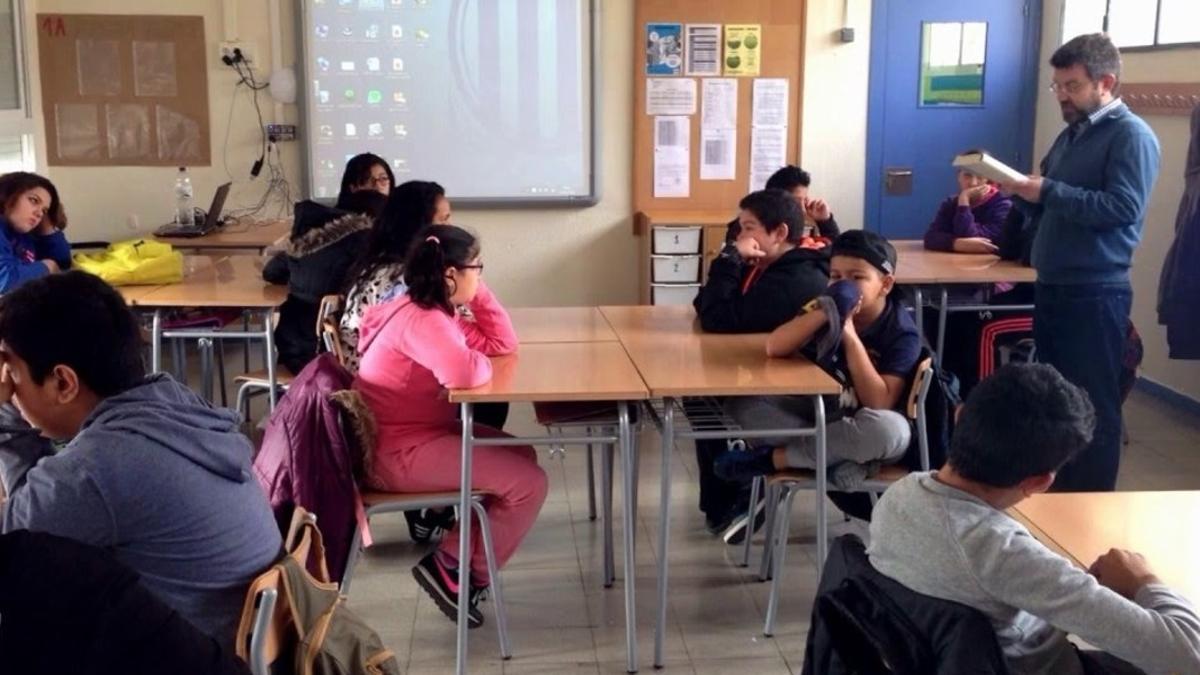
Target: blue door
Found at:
946, 76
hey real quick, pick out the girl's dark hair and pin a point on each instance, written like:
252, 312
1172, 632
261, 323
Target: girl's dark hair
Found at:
436, 248
410, 207
17, 183
358, 171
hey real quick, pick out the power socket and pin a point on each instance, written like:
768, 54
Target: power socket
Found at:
248, 49
281, 132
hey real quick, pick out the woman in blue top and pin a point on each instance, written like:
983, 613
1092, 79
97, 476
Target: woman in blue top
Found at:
32, 219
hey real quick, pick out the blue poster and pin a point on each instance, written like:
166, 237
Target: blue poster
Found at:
664, 49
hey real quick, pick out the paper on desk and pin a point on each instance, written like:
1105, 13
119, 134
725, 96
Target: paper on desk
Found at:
670, 96
702, 48
770, 105
768, 153
718, 129
672, 156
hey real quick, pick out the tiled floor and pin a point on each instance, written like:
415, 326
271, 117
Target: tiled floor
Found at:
563, 621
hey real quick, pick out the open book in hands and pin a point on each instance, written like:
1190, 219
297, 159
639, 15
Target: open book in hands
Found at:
983, 164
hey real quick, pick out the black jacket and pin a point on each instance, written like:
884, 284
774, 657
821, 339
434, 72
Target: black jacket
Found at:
66, 607
862, 620
775, 297
325, 243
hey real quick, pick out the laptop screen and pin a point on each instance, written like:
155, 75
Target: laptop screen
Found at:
214, 211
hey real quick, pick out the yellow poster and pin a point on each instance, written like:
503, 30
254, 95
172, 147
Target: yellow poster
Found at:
743, 49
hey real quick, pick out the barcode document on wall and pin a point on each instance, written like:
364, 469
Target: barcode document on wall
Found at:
672, 156
702, 52
718, 128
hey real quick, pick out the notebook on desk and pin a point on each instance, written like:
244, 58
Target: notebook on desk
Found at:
210, 222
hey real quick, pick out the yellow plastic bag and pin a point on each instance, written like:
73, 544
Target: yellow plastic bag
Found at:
138, 261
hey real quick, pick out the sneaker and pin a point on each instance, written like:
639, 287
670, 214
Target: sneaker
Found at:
442, 520
736, 532
743, 466
717, 525
442, 586
419, 528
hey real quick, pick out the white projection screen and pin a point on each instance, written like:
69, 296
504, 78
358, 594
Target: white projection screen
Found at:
494, 99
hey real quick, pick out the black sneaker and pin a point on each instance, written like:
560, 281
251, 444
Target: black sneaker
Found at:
742, 466
442, 520
736, 532
442, 586
419, 528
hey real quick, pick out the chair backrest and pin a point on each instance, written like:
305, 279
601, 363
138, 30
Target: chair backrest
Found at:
328, 319
918, 388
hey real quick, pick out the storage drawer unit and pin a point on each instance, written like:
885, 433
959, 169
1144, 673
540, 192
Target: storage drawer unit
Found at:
673, 294
675, 269
676, 240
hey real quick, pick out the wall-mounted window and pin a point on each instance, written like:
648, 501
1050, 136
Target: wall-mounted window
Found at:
952, 61
16, 122
1135, 24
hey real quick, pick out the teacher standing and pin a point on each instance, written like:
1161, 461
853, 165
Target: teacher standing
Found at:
1088, 207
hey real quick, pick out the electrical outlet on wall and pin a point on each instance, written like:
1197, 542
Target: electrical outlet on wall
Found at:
248, 50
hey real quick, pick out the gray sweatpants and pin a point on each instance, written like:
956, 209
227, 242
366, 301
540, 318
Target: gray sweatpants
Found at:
866, 436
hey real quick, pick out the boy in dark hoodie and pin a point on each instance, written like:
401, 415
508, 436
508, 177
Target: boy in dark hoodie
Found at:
148, 471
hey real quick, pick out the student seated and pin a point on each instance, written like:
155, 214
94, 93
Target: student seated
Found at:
32, 220
974, 220
413, 349
322, 247
364, 173
147, 469
866, 340
946, 534
762, 277
796, 181
378, 275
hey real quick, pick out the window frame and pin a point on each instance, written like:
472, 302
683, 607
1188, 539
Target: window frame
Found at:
19, 121
1156, 46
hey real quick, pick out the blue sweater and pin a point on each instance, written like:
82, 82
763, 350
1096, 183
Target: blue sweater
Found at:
1093, 200
20, 253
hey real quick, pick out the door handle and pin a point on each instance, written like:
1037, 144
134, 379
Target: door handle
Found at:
899, 173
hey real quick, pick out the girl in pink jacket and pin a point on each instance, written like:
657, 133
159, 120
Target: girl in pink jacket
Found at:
413, 349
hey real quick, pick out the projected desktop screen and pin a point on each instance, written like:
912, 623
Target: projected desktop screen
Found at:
490, 98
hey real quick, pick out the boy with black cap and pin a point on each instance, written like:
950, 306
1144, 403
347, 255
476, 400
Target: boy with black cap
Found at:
866, 340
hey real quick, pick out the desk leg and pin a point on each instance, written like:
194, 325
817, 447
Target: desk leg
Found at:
269, 336
822, 487
919, 310
629, 489
664, 528
464, 536
943, 311
156, 342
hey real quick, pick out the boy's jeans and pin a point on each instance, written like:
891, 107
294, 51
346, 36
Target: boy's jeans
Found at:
1080, 330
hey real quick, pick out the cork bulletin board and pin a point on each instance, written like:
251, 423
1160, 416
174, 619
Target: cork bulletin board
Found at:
124, 90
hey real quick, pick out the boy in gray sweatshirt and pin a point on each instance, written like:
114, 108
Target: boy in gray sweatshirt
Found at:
946, 534
149, 470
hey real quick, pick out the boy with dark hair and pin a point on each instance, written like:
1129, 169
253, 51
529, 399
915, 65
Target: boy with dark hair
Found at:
867, 341
945, 534
796, 181
148, 470
759, 281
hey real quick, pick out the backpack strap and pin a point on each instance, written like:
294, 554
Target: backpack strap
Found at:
304, 541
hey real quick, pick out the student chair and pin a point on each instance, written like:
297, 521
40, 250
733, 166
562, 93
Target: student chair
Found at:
392, 502
782, 487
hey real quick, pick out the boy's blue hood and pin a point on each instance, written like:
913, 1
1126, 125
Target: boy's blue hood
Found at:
174, 418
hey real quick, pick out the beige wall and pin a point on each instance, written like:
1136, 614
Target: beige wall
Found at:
535, 257
1177, 65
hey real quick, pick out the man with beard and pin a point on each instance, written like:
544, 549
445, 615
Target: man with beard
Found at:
1088, 206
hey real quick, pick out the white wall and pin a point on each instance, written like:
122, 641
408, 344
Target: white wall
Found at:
534, 257
1176, 65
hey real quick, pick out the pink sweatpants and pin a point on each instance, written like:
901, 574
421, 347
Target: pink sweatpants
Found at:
510, 475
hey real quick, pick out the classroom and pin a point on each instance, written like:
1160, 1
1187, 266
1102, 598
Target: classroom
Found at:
816, 336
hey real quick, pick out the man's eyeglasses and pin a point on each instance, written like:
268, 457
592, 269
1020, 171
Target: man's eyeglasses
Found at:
1072, 87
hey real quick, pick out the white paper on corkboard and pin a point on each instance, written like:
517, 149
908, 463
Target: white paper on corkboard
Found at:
124, 90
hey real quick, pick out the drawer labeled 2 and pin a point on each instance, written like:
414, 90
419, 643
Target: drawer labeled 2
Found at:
675, 268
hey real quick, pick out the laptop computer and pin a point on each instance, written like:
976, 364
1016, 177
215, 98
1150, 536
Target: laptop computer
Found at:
212, 219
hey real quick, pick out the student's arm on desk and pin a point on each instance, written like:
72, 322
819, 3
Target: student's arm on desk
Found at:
874, 390
723, 308
1157, 631
785, 340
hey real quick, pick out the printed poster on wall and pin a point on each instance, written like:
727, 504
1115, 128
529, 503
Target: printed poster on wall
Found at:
664, 49
743, 49
703, 49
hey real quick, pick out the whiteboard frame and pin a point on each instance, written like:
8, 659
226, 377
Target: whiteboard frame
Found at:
560, 201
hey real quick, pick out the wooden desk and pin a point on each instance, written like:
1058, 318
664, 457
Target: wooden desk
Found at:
563, 371
916, 265
561, 324
676, 359
253, 235
1159, 525
218, 281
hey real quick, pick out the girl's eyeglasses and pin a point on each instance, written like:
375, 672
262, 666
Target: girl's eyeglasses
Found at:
472, 267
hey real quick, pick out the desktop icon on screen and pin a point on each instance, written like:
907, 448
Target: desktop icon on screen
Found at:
374, 96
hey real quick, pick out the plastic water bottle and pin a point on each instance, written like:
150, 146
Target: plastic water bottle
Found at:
184, 215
